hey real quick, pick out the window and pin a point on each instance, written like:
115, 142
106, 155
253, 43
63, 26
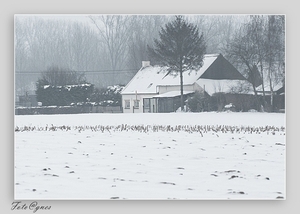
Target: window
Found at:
127, 104
136, 104
146, 103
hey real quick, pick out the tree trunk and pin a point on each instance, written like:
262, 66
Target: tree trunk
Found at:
256, 98
271, 90
263, 84
252, 80
181, 89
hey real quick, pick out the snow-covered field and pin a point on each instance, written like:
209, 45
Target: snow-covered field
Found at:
77, 160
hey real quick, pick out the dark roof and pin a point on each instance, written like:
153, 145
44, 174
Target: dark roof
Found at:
281, 90
222, 69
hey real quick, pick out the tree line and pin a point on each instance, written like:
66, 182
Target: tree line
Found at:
107, 48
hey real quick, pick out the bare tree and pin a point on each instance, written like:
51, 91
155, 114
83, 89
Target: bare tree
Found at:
259, 48
242, 51
275, 51
57, 76
41, 43
218, 30
144, 29
115, 32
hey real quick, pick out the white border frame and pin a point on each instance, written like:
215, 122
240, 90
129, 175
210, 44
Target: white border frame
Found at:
9, 8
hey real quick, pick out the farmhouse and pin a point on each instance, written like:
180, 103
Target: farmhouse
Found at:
151, 90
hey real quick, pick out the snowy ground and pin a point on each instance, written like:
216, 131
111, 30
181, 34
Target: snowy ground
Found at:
131, 164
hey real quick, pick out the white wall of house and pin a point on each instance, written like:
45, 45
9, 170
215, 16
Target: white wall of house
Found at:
128, 100
198, 88
131, 99
166, 88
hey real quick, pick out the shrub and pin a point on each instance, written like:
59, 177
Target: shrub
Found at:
110, 96
199, 102
63, 95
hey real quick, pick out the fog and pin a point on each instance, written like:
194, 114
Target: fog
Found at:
107, 49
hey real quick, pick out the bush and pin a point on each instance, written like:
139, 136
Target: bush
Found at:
110, 96
63, 95
199, 102
242, 102
61, 87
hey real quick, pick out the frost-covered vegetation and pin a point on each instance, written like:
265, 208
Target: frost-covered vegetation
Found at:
201, 129
84, 94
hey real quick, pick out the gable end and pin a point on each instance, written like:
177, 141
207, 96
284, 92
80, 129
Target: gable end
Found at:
222, 69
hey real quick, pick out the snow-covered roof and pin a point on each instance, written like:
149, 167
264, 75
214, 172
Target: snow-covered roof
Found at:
267, 87
217, 74
148, 78
172, 94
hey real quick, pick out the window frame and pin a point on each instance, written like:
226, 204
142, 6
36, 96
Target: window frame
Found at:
127, 104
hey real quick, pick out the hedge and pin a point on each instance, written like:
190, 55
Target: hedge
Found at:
63, 95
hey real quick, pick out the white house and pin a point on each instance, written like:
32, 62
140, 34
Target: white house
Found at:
150, 87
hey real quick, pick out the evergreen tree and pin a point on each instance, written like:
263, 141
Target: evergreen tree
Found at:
180, 48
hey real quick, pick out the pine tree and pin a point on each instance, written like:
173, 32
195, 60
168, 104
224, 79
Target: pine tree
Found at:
180, 48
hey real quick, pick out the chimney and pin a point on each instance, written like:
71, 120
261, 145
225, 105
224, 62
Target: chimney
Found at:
145, 63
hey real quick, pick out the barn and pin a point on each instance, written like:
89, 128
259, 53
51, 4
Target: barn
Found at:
151, 90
